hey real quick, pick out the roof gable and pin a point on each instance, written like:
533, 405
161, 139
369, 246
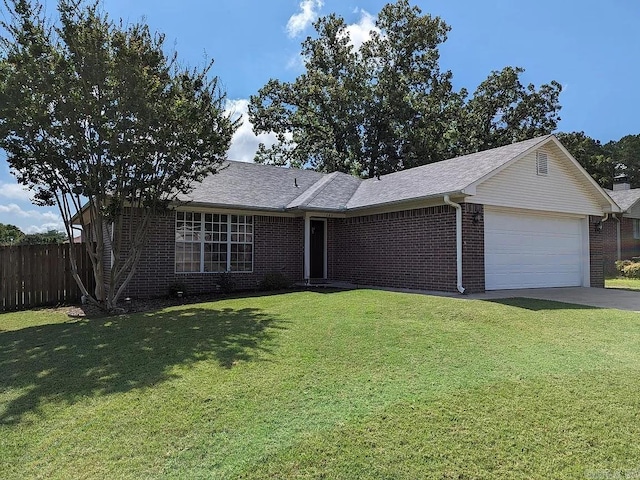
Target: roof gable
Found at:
626, 199
565, 187
437, 179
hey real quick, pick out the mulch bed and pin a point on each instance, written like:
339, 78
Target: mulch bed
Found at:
138, 305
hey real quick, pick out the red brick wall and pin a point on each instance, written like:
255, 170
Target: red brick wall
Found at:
407, 249
278, 247
473, 247
596, 252
610, 246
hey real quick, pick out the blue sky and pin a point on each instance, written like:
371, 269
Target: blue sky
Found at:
590, 47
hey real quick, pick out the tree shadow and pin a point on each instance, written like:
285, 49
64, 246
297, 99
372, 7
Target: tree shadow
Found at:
537, 305
91, 357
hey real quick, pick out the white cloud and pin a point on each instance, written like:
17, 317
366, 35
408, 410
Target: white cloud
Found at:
360, 32
245, 142
301, 20
32, 220
14, 191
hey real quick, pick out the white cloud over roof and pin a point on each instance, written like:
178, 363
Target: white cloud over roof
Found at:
245, 142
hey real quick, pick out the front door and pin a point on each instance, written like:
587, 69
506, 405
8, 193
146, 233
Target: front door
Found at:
317, 249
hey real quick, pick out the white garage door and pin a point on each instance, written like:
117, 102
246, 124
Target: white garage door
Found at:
524, 250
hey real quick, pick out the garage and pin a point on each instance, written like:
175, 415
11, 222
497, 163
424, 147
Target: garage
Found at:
531, 250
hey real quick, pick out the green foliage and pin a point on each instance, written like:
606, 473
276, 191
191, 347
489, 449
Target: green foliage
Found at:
360, 384
275, 281
94, 113
503, 111
628, 268
621, 264
631, 270
605, 162
226, 282
626, 154
596, 158
387, 105
10, 234
51, 236
174, 288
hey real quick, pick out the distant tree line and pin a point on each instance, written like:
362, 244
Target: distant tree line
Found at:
12, 235
605, 161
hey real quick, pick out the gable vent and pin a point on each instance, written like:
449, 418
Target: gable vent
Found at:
542, 163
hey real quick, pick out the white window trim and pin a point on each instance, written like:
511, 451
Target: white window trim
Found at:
636, 228
202, 242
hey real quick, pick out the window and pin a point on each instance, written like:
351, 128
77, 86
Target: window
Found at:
212, 242
636, 228
542, 163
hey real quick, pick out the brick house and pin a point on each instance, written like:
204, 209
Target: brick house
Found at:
622, 230
521, 216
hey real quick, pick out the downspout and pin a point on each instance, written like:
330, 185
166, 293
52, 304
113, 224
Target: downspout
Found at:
458, 208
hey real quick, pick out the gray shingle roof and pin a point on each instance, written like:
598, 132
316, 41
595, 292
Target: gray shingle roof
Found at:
625, 198
266, 187
331, 193
243, 184
438, 178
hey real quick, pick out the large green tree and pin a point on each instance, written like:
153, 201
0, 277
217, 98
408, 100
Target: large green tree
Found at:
96, 119
502, 111
387, 105
10, 234
596, 159
626, 154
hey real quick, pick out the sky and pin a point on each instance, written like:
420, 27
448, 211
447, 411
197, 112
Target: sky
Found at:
590, 47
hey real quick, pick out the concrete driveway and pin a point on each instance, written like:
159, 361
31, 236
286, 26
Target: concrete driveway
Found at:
595, 297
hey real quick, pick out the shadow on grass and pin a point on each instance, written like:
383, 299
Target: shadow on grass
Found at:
538, 305
64, 362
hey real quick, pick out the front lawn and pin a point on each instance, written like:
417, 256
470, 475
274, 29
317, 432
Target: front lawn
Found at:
623, 282
359, 384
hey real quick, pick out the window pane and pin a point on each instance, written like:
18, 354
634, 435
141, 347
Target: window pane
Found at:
241, 257
215, 257
187, 257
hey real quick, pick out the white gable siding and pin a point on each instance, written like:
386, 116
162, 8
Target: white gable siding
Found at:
634, 211
564, 189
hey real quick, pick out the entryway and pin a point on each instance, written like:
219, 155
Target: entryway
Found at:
317, 254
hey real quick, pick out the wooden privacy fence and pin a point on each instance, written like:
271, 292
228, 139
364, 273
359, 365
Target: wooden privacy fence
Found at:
36, 275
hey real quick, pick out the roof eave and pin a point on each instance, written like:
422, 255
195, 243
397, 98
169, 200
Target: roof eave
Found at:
229, 206
454, 193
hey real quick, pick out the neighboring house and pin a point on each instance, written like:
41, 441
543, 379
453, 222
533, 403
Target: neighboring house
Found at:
622, 231
520, 216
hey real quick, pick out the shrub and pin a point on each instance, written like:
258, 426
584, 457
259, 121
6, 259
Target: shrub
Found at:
174, 288
226, 283
632, 270
621, 264
275, 281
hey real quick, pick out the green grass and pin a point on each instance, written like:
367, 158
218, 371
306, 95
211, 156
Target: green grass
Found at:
360, 384
622, 282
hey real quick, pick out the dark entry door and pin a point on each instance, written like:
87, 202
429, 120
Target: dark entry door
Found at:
317, 249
